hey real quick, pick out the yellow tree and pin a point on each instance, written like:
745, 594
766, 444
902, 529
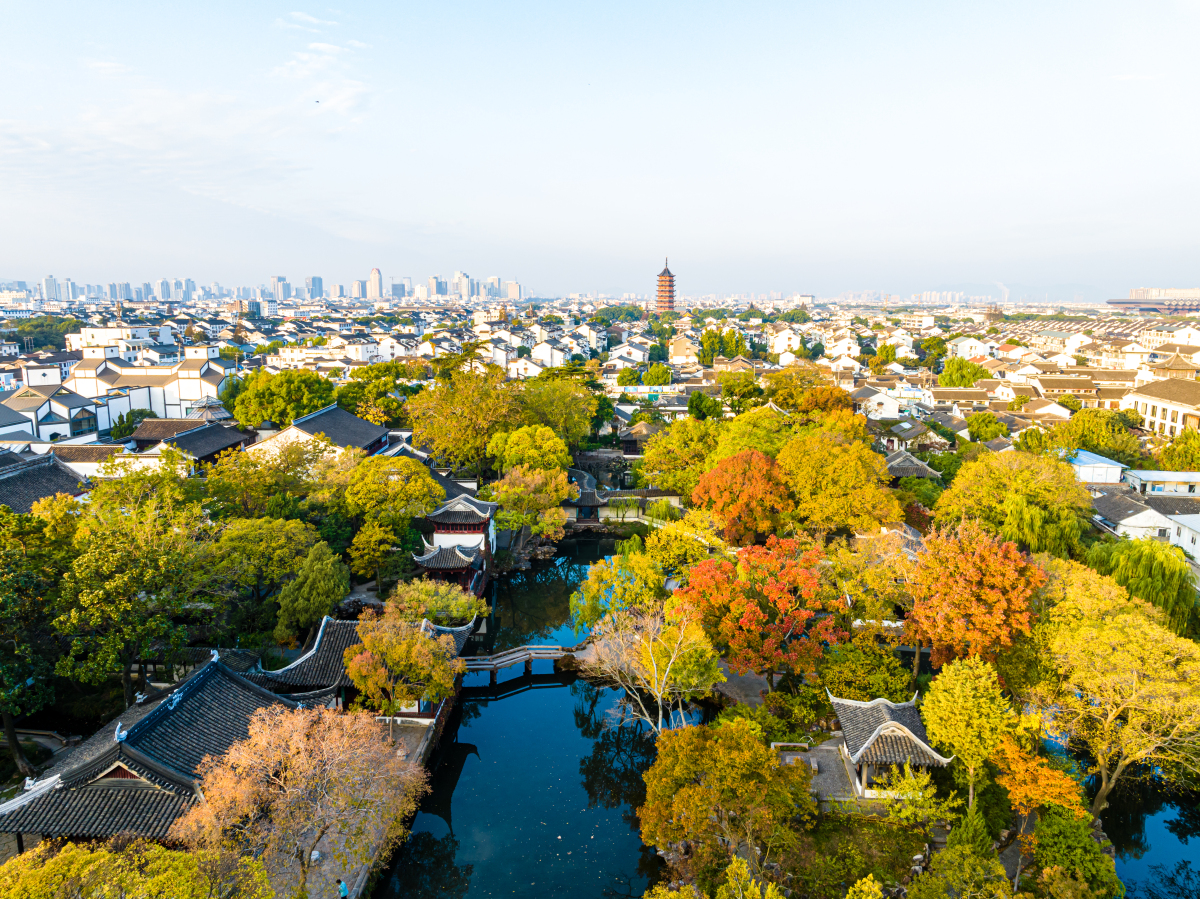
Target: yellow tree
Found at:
675, 457
534, 446
372, 546
836, 483
457, 419
398, 663
532, 498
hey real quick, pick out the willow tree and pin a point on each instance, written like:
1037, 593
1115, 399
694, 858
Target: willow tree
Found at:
1155, 572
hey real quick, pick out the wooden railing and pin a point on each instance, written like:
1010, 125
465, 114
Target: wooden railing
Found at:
526, 654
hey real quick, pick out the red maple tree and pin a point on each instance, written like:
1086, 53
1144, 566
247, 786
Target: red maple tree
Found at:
971, 593
761, 610
747, 492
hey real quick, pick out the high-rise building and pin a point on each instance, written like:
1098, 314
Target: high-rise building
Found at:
69, 290
513, 290
375, 285
164, 289
665, 302
398, 291
316, 287
147, 290
49, 289
358, 290
277, 282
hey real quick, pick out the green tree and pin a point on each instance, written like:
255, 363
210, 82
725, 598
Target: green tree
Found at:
371, 547
281, 398
135, 572
533, 446
1100, 431
391, 489
762, 429
739, 390
739, 884
374, 393
1017, 403
260, 554
319, 585
457, 419
568, 405
958, 372
850, 671
657, 375
960, 872
241, 485
1035, 501
623, 583
1182, 453
966, 714
1064, 840
702, 406
971, 832
629, 377
676, 457
1069, 401
532, 498
442, 603
127, 424
984, 426
1150, 570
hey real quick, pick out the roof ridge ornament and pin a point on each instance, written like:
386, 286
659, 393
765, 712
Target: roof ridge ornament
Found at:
120, 735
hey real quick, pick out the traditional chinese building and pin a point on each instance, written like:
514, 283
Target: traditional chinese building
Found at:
881, 735
463, 539
665, 301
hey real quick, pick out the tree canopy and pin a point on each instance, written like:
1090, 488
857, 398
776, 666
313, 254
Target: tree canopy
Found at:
281, 398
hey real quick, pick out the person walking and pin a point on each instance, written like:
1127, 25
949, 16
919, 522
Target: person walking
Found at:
343, 890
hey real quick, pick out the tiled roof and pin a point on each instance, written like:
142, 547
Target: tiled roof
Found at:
902, 464
341, 427
1172, 505
463, 509
159, 429
322, 666
23, 484
1116, 507
7, 458
87, 453
208, 440
447, 558
1174, 390
884, 732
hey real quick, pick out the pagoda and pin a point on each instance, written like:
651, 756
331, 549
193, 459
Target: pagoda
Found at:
463, 539
666, 291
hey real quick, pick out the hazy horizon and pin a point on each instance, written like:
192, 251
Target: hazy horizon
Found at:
772, 147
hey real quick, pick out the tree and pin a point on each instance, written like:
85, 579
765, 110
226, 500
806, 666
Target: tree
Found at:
1064, 840
29, 568
442, 603
739, 390
960, 872
1101, 431
915, 801
971, 593
1069, 401
727, 793
657, 375
281, 398
1035, 501
762, 429
568, 406
965, 713
763, 611
143, 870
127, 424
746, 492
884, 356
867, 888
398, 664
532, 498
823, 398
372, 546
971, 832
261, 554
1182, 453
1155, 572
627, 582
739, 884
134, 573
321, 582
241, 485
836, 483
629, 377
677, 546
303, 776
675, 457
375, 393
702, 406
390, 489
789, 387
1127, 690
864, 673
533, 446
1032, 785
984, 426
456, 420
1017, 403
959, 372
660, 659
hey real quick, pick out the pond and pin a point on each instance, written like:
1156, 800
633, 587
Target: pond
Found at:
1153, 828
530, 793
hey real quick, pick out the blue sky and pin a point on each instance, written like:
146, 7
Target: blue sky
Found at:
817, 147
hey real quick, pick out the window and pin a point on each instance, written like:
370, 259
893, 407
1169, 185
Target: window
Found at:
1193, 539
83, 424
1191, 488
1174, 418
1172, 430
1162, 532
1154, 411
1176, 531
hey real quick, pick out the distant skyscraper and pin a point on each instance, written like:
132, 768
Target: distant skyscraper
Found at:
277, 282
375, 285
316, 287
514, 290
164, 289
69, 290
398, 291
147, 290
358, 290
666, 291
49, 289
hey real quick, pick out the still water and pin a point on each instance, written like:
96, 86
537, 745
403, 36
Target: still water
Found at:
1154, 829
531, 794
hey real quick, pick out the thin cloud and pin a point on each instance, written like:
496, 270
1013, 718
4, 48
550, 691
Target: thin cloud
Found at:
357, 45
309, 20
107, 67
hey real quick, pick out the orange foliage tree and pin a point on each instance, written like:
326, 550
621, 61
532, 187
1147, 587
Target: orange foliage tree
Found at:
825, 398
1033, 784
971, 593
747, 492
303, 779
761, 610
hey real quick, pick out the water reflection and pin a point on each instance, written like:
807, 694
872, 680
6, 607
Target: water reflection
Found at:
425, 867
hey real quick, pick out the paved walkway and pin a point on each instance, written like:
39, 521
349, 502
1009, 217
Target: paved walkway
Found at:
747, 688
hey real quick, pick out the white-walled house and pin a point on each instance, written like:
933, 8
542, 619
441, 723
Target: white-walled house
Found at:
168, 391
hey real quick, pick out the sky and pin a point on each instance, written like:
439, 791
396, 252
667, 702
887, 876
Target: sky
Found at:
812, 147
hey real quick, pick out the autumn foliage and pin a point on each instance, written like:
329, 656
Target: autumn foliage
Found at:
762, 608
971, 593
747, 492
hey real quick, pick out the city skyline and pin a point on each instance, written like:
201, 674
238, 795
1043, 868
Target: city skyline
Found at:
793, 146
